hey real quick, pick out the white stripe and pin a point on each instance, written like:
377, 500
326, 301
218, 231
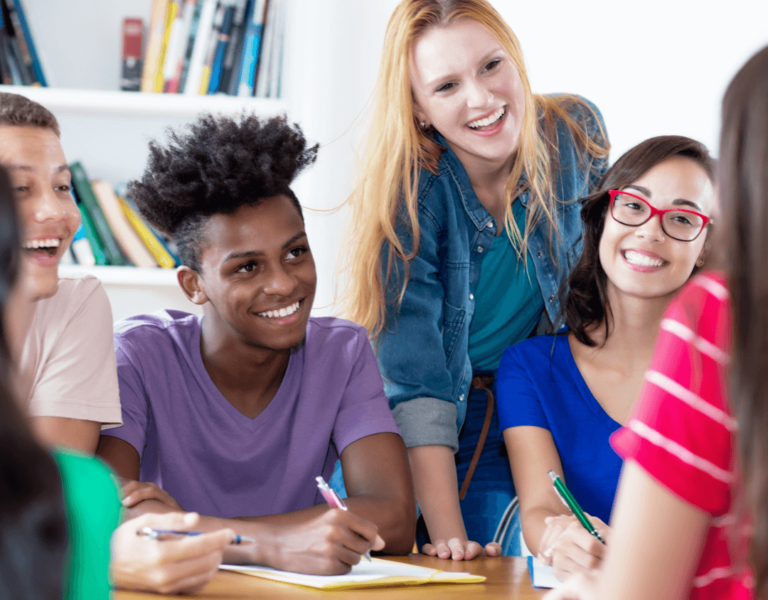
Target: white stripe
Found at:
698, 342
712, 576
684, 394
718, 290
723, 520
679, 451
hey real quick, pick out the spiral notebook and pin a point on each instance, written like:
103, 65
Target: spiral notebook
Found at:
377, 573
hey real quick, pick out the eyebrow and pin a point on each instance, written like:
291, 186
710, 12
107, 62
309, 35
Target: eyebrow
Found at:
676, 202
29, 168
257, 253
433, 82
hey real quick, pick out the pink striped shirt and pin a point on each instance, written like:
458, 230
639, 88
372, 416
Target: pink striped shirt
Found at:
682, 431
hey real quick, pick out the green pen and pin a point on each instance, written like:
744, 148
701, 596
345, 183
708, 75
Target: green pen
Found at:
571, 503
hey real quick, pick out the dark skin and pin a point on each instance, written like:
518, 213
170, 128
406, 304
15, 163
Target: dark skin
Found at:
254, 261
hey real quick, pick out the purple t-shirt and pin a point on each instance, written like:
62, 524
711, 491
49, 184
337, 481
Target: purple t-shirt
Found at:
213, 459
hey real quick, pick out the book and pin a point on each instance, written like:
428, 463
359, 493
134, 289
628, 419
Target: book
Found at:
189, 47
91, 205
234, 48
93, 238
202, 36
542, 576
223, 39
264, 73
6, 72
127, 238
20, 70
170, 22
154, 46
81, 248
377, 573
210, 54
174, 62
133, 37
251, 48
153, 244
22, 29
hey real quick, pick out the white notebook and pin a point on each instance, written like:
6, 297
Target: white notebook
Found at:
542, 576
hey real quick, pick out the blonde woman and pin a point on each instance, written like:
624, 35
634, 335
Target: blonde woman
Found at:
465, 228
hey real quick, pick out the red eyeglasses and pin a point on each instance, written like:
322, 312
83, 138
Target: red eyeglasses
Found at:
677, 223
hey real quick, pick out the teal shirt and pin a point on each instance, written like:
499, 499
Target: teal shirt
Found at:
508, 301
93, 512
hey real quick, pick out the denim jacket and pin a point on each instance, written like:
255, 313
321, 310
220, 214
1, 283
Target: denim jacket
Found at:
423, 350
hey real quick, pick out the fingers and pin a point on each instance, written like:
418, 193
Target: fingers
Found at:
183, 575
457, 549
138, 491
493, 549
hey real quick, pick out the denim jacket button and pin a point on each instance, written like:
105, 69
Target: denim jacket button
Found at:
538, 254
480, 249
551, 298
461, 398
471, 296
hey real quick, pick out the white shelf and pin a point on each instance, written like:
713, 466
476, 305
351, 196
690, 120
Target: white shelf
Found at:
61, 100
125, 276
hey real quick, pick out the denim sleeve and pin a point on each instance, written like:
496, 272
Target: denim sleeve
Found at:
411, 350
591, 119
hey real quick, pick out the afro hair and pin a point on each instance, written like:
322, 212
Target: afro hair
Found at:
213, 166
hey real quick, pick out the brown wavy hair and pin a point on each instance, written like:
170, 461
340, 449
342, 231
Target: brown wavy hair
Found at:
743, 249
586, 303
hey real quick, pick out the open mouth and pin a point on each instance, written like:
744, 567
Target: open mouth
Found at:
47, 246
641, 260
281, 313
488, 122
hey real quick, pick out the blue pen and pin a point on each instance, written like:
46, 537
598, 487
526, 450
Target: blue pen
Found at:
154, 534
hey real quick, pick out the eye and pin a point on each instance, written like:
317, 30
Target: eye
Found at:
248, 267
63, 188
492, 65
446, 87
683, 220
296, 252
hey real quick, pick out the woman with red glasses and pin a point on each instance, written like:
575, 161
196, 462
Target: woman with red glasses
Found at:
561, 396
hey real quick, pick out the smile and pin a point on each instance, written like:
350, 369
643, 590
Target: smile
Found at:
641, 260
281, 312
489, 120
49, 245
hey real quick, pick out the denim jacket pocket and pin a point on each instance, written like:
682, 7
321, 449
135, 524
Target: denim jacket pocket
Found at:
453, 322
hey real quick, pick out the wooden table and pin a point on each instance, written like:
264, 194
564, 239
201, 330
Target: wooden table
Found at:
508, 578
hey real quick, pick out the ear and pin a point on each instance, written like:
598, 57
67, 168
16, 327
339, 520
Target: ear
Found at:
191, 283
704, 252
421, 117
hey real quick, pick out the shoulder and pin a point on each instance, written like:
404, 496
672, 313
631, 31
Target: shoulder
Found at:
155, 327
75, 293
333, 334
580, 109
533, 350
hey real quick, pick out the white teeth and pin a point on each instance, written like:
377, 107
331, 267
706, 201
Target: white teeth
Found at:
281, 312
642, 260
488, 120
49, 243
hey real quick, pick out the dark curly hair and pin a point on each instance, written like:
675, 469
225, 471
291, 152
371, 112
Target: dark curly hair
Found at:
214, 166
587, 301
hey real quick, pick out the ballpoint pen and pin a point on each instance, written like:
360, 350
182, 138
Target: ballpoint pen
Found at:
571, 503
154, 534
333, 499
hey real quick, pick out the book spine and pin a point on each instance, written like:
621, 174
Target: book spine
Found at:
202, 35
170, 22
92, 236
152, 55
21, 75
211, 51
190, 47
6, 73
261, 80
233, 47
133, 33
251, 48
37, 67
221, 47
173, 74
156, 249
88, 200
81, 248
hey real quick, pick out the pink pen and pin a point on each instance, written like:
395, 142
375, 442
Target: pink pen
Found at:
333, 499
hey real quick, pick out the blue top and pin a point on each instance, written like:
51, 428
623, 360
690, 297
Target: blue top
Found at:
423, 350
508, 302
539, 384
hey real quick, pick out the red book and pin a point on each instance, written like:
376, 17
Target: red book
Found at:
133, 34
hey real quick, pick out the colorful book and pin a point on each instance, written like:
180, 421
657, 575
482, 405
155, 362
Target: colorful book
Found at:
89, 202
221, 47
92, 236
199, 52
261, 79
211, 51
126, 237
6, 73
81, 248
153, 244
190, 47
234, 48
251, 48
175, 60
22, 73
154, 46
23, 29
133, 37
170, 20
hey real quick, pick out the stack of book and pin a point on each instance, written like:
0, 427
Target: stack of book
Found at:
207, 47
112, 232
19, 63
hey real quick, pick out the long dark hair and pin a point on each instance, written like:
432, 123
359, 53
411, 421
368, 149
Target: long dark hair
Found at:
33, 538
586, 303
744, 247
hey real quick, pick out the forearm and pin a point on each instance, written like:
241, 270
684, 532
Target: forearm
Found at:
437, 491
532, 522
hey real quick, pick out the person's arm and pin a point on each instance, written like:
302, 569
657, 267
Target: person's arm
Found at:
71, 433
549, 529
656, 544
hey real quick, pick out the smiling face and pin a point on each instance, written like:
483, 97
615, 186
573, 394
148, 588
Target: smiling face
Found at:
49, 216
258, 274
467, 87
643, 261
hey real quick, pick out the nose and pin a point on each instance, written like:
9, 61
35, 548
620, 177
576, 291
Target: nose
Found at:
48, 207
279, 281
478, 96
651, 230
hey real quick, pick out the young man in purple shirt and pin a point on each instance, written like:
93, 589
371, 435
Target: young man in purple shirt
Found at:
233, 414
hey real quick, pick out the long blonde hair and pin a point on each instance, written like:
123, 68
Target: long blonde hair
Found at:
397, 148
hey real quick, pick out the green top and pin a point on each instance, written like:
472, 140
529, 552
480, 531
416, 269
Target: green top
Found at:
508, 301
93, 513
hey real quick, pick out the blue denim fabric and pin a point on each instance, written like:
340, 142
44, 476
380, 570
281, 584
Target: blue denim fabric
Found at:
423, 352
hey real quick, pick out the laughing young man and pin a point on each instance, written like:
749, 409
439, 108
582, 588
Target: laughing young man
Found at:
235, 413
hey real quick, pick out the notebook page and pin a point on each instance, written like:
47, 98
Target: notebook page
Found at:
542, 576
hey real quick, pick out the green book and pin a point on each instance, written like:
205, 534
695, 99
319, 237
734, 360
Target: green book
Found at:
93, 237
99, 222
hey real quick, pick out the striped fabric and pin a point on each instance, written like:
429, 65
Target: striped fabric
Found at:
682, 432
